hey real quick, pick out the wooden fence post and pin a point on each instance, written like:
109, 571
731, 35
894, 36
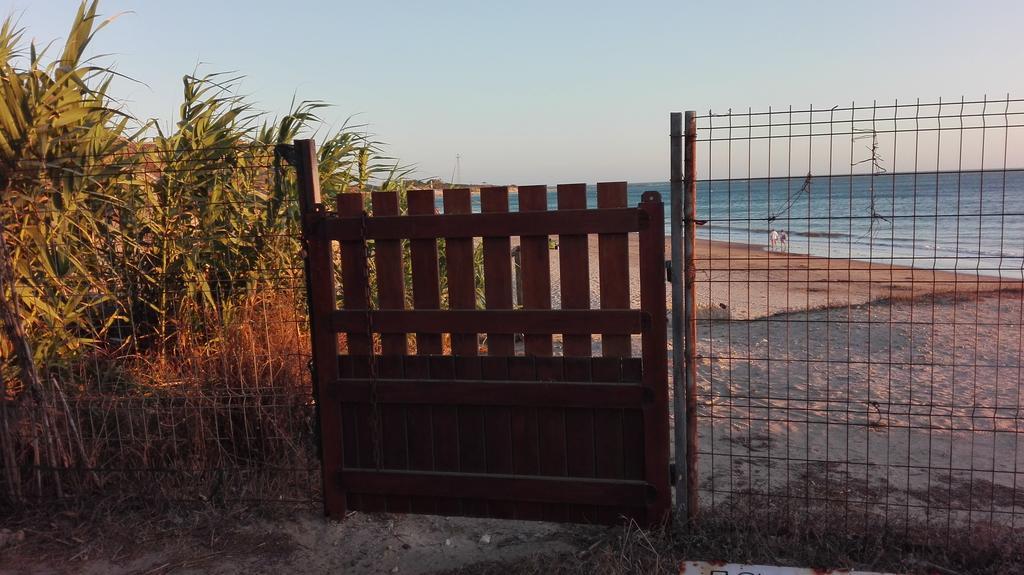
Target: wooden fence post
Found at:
320, 295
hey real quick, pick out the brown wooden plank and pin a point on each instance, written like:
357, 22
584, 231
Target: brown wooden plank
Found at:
536, 267
624, 220
348, 414
394, 430
368, 446
574, 269
387, 259
579, 424
426, 290
494, 393
552, 419
354, 278
655, 360
525, 438
471, 446
608, 437
420, 432
571, 369
320, 291
501, 322
552, 434
460, 270
633, 424
459, 431
536, 489
634, 448
350, 428
497, 271
445, 416
525, 434
497, 433
579, 435
613, 254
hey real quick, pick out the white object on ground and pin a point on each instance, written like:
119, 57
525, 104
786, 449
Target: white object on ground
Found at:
706, 568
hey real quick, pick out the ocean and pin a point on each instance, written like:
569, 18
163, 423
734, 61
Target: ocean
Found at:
971, 222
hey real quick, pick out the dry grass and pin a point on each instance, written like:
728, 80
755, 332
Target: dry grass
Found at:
772, 536
226, 418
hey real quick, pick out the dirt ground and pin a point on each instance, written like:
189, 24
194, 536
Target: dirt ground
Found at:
285, 541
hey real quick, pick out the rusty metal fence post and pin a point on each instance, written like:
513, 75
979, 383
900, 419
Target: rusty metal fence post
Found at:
683, 185
678, 379
690, 308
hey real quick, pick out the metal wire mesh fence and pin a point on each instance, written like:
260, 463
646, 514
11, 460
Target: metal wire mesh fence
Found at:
860, 314
163, 293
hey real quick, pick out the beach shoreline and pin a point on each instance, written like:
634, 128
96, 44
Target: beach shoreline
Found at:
752, 282
743, 282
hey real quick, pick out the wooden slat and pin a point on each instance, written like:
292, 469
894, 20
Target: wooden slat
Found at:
353, 275
426, 291
536, 268
350, 427
394, 430
613, 250
633, 425
497, 393
552, 419
460, 269
358, 367
633, 443
525, 433
420, 432
579, 424
486, 224
459, 436
497, 272
387, 259
574, 269
573, 369
551, 432
495, 486
471, 447
655, 360
525, 438
444, 421
497, 433
496, 321
579, 436
609, 460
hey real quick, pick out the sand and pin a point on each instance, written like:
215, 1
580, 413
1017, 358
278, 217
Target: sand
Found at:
823, 379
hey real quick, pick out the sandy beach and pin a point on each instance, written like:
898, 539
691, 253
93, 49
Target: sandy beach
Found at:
844, 380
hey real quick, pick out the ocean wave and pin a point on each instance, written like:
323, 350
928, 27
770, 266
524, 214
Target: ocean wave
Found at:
814, 241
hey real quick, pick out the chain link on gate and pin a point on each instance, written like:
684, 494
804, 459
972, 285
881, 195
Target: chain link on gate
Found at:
375, 418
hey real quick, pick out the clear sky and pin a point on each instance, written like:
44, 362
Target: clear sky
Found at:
547, 91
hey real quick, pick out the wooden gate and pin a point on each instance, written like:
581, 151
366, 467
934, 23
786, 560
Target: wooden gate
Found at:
481, 411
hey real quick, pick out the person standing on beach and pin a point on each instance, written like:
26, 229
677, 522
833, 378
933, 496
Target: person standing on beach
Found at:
773, 239
783, 240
